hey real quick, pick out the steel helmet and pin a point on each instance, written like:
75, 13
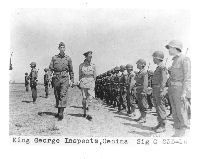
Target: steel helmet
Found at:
129, 67
117, 68
142, 62
150, 72
33, 63
159, 55
122, 67
46, 69
175, 44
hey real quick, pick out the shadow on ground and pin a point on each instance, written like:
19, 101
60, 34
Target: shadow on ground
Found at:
76, 115
140, 126
144, 134
47, 113
43, 96
73, 106
26, 101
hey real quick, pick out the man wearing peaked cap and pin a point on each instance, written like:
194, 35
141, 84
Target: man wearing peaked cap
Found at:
61, 44
63, 77
88, 52
87, 78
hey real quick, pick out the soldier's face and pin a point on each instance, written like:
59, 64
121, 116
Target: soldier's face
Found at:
172, 51
62, 49
129, 70
89, 57
139, 66
154, 60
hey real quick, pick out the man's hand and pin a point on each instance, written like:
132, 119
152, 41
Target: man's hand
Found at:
162, 94
183, 97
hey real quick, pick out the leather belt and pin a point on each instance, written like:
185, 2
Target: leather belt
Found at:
88, 76
155, 85
61, 73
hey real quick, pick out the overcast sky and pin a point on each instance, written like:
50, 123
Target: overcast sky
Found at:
116, 36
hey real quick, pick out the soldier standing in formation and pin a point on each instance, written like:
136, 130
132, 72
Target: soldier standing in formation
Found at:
179, 87
87, 77
61, 66
141, 79
122, 88
129, 86
116, 87
46, 82
158, 84
33, 81
149, 92
26, 82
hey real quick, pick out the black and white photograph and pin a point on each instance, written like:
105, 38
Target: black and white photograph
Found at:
99, 72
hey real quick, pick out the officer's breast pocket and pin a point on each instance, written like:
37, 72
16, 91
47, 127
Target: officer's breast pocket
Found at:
176, 68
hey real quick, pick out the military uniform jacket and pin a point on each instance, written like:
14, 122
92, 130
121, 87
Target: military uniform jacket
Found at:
46, 79
117, 81
33, 74
87, 75
180, 71
61, 63
159, 78
141, 79
26, 80
122, 80
130, 81
112, 81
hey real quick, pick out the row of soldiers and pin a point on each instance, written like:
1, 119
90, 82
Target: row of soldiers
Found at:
112, 87
31, 80
127, 90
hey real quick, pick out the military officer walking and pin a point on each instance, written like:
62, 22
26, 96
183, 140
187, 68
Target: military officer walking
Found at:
33, 81
26, 82
141, 79
61, 66
158, 84
179, 87
87, 78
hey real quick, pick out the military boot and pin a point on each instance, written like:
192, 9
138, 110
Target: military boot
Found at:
60, 117
57, 115
57, 103
142, 118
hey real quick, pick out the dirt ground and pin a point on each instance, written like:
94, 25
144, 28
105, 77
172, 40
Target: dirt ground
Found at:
31, 119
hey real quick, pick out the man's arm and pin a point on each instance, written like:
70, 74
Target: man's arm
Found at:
145, 82
71, 72
187, 75
163, 78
